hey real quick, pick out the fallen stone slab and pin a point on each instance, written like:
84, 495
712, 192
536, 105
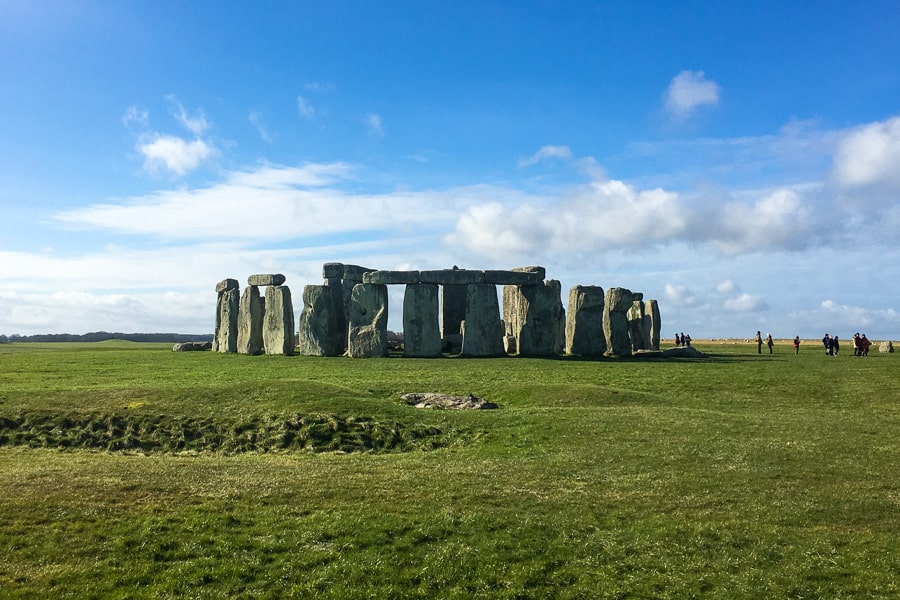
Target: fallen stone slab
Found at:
683, 352
446, 401
192, 346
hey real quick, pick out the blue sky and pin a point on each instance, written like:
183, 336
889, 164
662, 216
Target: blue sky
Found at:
739, 162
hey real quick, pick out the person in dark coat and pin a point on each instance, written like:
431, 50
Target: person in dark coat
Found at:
758, 342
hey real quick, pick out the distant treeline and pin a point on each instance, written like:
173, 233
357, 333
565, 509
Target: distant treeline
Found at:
102, 336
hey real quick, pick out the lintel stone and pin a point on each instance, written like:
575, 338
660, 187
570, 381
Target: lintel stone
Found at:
391, 277
266, 279
227, 284
451, 277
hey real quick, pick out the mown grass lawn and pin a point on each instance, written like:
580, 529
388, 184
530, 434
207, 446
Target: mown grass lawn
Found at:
742, 476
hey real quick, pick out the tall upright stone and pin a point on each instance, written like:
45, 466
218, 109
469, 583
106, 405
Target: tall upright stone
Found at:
322, 328
652, 323
352, 276
638, 329
615, 320
534, 316
453, 308
227, 309
482, 330
584, 321
251, 321
421, 331
367, 335
278, 328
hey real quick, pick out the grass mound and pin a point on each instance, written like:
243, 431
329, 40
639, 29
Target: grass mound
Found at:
168, 434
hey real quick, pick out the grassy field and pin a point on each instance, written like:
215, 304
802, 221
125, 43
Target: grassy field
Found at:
130, 471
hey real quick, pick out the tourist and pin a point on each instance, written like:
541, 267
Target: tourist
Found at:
836, 344
864, 344
686, 340
769, 342
829, 345
856, 345
759, 342
797, 344
677, 340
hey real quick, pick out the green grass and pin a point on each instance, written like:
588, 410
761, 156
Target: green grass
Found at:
743, 476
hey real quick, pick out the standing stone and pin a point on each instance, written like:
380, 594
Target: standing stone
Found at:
227, 308
278, 329
421, 331
639, 334
250, 322
352, 276
886, 346
655, 323
584, 321
453, 308
482, 330
615, 320
367, 336
534, 315
322, 329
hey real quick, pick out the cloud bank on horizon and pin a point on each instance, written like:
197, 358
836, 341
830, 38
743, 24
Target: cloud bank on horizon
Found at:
740, 203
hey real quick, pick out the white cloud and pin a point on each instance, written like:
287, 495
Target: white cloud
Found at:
869, 155
680, 295
305, 108
745, 303
688, 91
196, 124
373, 121
544, 153
781, 219
174, 153
135, 115
257, 120
727, 287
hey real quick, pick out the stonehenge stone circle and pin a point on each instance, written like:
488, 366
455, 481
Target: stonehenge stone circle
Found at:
367, 336
447, 310
250, 322
584, 321
421, 331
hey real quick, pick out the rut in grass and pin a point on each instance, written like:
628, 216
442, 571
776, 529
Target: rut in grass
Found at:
269, 433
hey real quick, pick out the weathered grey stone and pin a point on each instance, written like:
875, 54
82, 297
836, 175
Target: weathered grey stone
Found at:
887, 346
451, 277
250, 322
640, 338
227, 308
584, 321
227, 284
333, 271
683, 352
509, 344
541, 271
367, 336
391, 277
278, 328
534, 315
482, 330
266, 279
442, 401
513, 277
355, 272
453, 308
652, 307
421, 330
192, 346
323, 328
615, 321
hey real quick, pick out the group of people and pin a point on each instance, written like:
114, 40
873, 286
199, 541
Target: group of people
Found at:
768, 341
833, 345
682, 340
